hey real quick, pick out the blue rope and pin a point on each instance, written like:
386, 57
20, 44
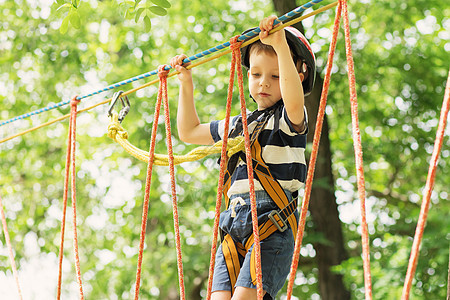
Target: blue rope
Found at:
248, 35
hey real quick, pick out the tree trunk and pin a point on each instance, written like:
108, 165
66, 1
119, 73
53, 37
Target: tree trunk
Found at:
324, 210
323, 207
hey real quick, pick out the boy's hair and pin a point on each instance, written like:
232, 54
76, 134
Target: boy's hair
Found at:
259, 47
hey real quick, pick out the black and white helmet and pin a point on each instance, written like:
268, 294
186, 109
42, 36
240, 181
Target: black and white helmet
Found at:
301, 50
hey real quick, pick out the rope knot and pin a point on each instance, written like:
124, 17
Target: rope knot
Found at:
162, 72
234, 44
114, 128
75, 101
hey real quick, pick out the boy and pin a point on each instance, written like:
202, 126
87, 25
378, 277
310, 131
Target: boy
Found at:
277, 65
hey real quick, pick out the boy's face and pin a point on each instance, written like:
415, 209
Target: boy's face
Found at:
263, 79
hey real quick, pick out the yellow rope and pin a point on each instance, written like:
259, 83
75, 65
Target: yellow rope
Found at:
120, 135
55, 120
315, 12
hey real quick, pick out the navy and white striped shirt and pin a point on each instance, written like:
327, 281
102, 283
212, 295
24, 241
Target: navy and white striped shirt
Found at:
283, 150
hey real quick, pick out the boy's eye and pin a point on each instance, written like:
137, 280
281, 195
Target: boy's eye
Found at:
275, 76
256, 74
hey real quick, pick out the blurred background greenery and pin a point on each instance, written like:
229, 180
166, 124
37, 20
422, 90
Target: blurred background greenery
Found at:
50, 51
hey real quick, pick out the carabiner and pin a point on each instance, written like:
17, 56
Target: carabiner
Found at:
125, 106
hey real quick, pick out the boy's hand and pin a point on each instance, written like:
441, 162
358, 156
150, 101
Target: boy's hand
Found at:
177, 63
277, 38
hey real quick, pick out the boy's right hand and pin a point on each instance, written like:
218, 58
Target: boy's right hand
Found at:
277, 38
177, 63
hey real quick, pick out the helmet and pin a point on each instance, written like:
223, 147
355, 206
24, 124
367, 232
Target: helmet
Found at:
300, 48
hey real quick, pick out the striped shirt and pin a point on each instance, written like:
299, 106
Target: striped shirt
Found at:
282, 148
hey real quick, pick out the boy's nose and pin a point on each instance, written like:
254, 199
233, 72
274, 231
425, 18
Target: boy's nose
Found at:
264, 82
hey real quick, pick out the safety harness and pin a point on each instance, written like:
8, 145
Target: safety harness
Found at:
277, 219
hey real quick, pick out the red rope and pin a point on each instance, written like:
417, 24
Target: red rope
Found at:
314, 154
70, 162
358, 154
427, 192
223, 164
147, 193
8, 243
63, 220
163, 86
256, 245
162, 94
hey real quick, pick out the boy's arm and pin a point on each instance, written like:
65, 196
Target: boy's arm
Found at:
290, 80
190, 130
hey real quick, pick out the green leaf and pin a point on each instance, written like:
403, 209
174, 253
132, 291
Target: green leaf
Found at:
65, 5
157, 10
138, 14
64, 25
60, 2
75, 3
129, 13
147, 23
162, 3
75, 19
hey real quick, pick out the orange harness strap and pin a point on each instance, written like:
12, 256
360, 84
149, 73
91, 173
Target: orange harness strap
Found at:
278, 219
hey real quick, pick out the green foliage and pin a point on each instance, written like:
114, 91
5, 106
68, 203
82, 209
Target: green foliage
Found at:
401, 59
72, 16
136, 9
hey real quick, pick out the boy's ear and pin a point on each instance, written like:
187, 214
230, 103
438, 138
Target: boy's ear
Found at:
302, 76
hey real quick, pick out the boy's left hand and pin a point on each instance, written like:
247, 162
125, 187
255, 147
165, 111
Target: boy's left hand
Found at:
275, 39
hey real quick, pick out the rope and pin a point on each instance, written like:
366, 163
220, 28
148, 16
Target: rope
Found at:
314, 154
70, 162
176, 225
147, 194
223, 164
162, 93
256, 246
172, 74
10, 250
63, 220
120, 135
52, 121
255, 32
358, 154
427, 192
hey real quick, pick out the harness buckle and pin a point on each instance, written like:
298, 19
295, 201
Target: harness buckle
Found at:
272, 215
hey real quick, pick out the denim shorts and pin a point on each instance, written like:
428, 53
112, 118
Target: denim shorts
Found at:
276, 250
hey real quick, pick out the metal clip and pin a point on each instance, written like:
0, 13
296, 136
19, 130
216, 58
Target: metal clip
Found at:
125, 105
